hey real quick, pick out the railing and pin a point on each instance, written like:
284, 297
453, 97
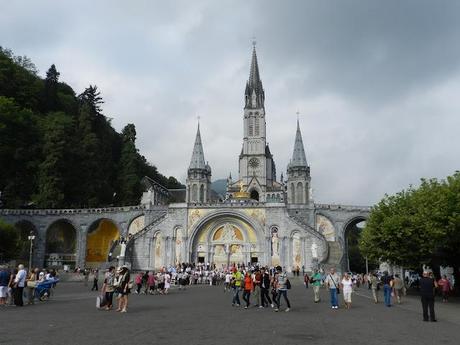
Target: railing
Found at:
71, 210
342, 207
145, 229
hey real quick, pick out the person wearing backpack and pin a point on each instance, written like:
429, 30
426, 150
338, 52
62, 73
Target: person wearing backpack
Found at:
282, 285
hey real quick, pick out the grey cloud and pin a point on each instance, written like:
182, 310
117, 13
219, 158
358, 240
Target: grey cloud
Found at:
376, 82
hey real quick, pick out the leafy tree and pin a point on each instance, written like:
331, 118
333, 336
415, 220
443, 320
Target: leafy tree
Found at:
416, 226
8, 241
50, 92
52, 174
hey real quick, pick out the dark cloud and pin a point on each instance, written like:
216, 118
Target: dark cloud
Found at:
376, 82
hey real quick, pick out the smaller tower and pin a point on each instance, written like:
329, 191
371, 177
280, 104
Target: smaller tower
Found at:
198, 174
298, 173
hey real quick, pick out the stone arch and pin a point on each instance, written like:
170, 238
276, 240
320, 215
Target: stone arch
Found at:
325, 226
158, 250
101, 236
136, 223
211, 222
254, 194
352, 224
299, 193
61, 243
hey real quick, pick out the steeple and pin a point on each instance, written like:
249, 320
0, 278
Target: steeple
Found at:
254, 93
198, 161
298, 156
198, 174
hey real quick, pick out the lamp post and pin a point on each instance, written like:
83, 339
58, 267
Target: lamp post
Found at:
31, 238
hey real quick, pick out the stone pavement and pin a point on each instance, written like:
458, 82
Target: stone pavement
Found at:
203, 315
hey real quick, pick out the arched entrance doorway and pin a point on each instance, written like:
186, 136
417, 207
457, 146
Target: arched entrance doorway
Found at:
353, 260
25, 229
61, 239
226, 240
102, 234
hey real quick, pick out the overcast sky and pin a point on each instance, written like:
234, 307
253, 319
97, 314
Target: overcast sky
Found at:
377, 83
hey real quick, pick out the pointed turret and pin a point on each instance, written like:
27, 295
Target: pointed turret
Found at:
198, 161
298, 156
254, 92
198, 174
298, 173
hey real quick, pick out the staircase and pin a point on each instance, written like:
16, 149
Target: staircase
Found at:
146, 229
335, 256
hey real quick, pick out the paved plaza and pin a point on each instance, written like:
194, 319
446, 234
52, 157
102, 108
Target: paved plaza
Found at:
203, 315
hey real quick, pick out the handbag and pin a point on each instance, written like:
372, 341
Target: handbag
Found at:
288, 284
31, 284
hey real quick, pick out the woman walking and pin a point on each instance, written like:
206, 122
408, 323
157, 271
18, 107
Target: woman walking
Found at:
281, 288
109, 287
248, 286
347, 288
123, 289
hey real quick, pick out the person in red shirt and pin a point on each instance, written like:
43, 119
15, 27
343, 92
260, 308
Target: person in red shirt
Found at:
445, 287
248, 286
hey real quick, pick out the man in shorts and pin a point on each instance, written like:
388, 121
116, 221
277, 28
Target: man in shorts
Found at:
4, 280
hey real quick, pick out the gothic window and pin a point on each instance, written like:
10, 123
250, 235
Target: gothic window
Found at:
202, 193
251, 126
194, 197
292, 193
257, 126
299, 192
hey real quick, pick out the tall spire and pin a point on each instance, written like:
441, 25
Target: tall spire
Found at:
254, 92
198, 161
298, 156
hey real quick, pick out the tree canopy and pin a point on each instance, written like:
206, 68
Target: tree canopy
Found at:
58, 149
416, 226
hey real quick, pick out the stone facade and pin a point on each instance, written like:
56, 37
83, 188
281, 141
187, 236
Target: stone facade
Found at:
261, 220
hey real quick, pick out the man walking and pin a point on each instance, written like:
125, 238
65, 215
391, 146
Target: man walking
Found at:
237, 278
315, 281
19, 282
332, 282
256, 283
387, 282
427, 291
374, 285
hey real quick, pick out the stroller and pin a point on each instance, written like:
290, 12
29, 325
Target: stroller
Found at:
43, 289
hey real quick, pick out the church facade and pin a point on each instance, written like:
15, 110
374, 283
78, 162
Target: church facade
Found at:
260, 219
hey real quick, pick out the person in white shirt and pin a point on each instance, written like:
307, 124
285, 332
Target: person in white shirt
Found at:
332, 281
19, 282
228, 279
347, 288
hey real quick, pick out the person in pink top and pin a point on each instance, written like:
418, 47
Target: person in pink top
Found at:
138, 282
444, 283
151, 282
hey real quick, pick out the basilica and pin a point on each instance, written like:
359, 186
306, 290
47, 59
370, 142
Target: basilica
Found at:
259, 219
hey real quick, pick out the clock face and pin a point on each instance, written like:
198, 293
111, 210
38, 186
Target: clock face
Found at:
253, 163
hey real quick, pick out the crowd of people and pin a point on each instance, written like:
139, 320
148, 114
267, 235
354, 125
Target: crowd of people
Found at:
18, 282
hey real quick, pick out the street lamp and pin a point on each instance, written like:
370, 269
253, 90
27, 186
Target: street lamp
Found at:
31, 238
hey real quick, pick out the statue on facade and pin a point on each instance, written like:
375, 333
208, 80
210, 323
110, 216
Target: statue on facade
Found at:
275, 244
314, 250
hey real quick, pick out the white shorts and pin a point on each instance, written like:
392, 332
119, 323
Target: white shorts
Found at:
3, 291
347, 296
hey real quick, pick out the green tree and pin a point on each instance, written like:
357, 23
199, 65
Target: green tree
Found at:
129, 172
52, 173
416, 226
50, 91
8, 241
